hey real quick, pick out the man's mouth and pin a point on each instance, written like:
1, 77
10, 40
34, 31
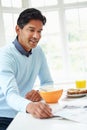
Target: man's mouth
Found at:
34, 42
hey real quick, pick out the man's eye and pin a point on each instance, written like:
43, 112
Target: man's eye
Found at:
39, 31
31, 30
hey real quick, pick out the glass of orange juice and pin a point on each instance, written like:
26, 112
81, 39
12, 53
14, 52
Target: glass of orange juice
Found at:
80, 84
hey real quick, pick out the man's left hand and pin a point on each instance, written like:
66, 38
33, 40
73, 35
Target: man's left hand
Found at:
33, 95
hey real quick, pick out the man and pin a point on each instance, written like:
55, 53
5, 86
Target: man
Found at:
20, 63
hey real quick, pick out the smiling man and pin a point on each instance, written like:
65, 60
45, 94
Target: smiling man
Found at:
20, 64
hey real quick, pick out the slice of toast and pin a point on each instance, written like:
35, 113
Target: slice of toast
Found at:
72, 91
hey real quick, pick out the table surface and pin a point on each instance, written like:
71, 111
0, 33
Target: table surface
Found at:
24, 121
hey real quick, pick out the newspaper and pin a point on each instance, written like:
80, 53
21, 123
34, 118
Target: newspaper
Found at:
76, 111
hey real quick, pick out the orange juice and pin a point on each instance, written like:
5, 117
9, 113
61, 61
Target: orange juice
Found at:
81, 84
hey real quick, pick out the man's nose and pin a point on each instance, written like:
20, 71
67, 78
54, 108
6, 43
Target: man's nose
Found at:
36, 35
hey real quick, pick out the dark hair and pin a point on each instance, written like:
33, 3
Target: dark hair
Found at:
29, 14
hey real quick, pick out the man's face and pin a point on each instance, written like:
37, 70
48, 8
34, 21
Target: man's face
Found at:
30, 35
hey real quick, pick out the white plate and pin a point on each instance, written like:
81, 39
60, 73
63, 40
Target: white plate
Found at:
76, 95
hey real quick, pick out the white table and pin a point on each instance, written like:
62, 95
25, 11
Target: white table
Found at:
25, 121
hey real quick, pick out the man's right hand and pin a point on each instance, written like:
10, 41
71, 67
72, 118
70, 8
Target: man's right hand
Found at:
39, 110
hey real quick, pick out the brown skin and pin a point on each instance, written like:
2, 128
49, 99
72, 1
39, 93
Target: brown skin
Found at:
33, 95
39, 110
29, 37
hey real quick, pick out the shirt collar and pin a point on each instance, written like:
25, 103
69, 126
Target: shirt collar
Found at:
21, 49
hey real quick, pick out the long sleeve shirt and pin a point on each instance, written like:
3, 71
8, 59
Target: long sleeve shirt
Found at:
18, 73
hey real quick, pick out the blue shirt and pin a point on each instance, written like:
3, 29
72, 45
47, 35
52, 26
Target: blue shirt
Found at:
18, 73
21, 49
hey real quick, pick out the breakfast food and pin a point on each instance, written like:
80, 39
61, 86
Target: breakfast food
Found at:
73, 91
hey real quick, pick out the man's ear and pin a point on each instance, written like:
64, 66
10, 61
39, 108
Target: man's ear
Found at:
17, 29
